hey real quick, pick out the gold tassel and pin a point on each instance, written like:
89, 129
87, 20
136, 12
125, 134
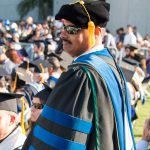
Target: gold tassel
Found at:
81, 2
22, 115
15, 83
91, 27
42, 68
91, 31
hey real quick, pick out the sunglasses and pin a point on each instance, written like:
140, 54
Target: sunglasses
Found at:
71, 29
37, 105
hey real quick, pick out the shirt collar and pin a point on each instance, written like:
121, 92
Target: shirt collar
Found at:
93, 49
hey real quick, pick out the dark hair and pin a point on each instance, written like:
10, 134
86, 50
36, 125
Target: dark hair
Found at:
55, 63
13, 55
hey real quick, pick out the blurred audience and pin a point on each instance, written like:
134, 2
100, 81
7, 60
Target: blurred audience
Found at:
130, 38
144, 142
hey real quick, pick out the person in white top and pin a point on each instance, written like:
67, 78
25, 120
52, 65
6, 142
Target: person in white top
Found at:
109, 40
130, 38
144, 142
11, 136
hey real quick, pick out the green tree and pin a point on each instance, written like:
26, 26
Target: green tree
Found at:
45, 7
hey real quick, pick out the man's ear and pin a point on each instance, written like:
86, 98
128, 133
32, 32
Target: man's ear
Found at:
98, 31
12, 119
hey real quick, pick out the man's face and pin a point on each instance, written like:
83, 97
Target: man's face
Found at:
35, 112
74, 44
4, 123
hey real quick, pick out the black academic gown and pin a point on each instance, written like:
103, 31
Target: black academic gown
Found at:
72, 95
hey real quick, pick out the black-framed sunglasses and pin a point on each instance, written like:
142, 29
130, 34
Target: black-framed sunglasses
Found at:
37, 105
71, 29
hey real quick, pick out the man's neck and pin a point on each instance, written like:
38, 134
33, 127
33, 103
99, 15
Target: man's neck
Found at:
93, 49
4, 135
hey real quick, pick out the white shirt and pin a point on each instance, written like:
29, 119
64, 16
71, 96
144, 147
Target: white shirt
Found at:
130, 38
110, 41
142, 145
14, 140
128, 136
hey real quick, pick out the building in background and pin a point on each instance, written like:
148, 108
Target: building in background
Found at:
8, 10
135, 12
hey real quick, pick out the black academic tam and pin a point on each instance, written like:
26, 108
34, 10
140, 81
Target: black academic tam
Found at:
8, 101
97, 9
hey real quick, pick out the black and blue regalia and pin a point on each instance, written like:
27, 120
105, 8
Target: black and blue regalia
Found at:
67, 120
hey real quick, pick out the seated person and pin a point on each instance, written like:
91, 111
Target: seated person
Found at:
36, 109
131, 52
54, 71
39, 48
144, 142
11, 136
148, 63
38, 102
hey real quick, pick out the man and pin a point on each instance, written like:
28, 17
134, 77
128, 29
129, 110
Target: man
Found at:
54, 71
130, 38
109, 40
77, 116
133, 54
144, 142
137, 34
7, 64
39, 48
11, 137
120, 35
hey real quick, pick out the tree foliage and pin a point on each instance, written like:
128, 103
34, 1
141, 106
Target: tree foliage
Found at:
45, 7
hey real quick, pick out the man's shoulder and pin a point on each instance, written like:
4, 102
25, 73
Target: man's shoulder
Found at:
74, 72
21, 138
20, 141
77, 68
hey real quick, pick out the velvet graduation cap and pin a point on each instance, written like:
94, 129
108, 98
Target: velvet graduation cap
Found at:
35, 65
54, 55
44, 94
97, 9
8, 101
128, 70
86, 14
131, 61
131, 47
64, 60
28, 66
21, 75
41, 65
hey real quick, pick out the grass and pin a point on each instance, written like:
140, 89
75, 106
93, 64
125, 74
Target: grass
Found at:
143, 112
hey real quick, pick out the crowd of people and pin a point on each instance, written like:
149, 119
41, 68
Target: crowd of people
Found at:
91, 104
30, 67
